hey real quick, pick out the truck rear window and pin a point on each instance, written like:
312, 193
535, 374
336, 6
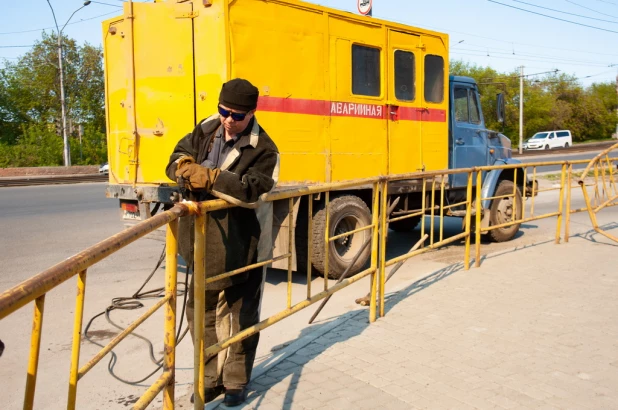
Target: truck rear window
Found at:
405, 87
366, 71
434, 78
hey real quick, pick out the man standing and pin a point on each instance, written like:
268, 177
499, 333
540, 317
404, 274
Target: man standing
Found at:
229, 156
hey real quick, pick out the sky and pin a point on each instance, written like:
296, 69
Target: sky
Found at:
495, 33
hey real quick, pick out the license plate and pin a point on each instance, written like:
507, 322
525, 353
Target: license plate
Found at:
133, 216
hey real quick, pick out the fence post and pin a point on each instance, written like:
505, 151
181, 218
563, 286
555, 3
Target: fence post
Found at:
561, 203
567, 223
171, 278
199, 293
35, 349
468, 221
479, 211
375, 240
382, 257
77, 338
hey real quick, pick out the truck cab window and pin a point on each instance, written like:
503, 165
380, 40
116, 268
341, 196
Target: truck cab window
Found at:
405, 81
475, 113
461, 104
434, 78
365, 71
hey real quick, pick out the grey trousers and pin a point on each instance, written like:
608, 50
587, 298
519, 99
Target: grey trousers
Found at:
229, 311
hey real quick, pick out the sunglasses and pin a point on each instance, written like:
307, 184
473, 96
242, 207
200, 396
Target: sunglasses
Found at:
236, 116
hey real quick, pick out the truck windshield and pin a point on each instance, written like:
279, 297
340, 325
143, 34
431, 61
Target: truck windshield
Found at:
539, 136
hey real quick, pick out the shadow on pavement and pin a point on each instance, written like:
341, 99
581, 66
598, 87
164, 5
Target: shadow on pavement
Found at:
593, 236
288, 360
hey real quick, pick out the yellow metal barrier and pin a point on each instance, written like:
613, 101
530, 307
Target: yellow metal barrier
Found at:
35, 289
607, 194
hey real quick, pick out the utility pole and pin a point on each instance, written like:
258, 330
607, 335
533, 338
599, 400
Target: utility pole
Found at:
65, 135
521, 110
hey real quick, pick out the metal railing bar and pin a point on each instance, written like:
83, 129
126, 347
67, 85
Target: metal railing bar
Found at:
153, 390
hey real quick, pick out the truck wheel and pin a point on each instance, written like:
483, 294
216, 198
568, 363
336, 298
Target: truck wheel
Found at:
566, 145
405, 225
347, 213
546, 147
501, 211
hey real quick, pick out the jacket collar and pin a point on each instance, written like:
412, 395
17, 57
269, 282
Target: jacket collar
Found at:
250, 138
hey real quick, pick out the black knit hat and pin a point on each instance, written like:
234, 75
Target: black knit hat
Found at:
239, 94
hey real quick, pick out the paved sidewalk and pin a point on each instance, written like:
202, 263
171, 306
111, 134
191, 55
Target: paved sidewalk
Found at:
504, 336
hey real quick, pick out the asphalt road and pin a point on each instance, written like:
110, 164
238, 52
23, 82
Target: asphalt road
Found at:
45, 224
42, 225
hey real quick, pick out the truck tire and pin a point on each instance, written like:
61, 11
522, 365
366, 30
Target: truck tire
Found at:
566, 145
501, 211
547, 147
405, 225
347, 213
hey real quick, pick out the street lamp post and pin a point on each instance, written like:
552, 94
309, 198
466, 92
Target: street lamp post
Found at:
65, 136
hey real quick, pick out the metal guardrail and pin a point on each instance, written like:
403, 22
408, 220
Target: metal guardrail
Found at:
577, 148
605, 174
52, 180
35, 288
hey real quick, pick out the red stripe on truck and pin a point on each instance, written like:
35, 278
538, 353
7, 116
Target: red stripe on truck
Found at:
347, 109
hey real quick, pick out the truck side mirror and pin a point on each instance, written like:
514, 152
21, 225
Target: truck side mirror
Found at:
500, 107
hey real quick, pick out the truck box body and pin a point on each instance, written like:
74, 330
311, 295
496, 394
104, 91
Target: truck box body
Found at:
343, 96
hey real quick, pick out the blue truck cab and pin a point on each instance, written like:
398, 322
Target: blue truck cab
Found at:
471, 144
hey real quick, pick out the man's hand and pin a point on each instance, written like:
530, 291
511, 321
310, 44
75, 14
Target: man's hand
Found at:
182, 161
199, 178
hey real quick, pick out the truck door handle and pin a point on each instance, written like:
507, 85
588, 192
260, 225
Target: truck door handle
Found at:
459, 141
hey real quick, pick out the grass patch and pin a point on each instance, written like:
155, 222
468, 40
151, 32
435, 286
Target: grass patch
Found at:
558, 177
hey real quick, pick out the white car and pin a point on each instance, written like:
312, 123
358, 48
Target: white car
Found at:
549, 140
104, 169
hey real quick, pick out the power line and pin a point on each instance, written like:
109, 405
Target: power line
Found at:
106, 4
564, 12
499, 40
15, 46
571, 80
608, 2
546, 58
52, 28
587, 8
527, 59
551, 48
555, 18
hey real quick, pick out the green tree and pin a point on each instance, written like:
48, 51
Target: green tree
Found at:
30, 97
551, 102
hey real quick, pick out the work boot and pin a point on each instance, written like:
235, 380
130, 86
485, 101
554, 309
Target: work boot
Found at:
210, 393
234, 397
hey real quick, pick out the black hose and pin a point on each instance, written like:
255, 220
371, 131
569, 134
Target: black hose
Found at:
132, 303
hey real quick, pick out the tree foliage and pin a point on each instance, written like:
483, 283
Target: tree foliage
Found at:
30, 107
551, 102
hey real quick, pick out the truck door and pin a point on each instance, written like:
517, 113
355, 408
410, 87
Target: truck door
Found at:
358, 131
403, 109
150, 89
469, 145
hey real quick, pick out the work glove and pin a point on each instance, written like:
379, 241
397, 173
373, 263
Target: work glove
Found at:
184, 161
199, 178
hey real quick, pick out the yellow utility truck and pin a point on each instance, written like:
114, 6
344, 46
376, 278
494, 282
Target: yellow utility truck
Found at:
344, 97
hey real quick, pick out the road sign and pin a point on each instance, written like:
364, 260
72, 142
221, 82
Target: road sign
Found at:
364, 7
